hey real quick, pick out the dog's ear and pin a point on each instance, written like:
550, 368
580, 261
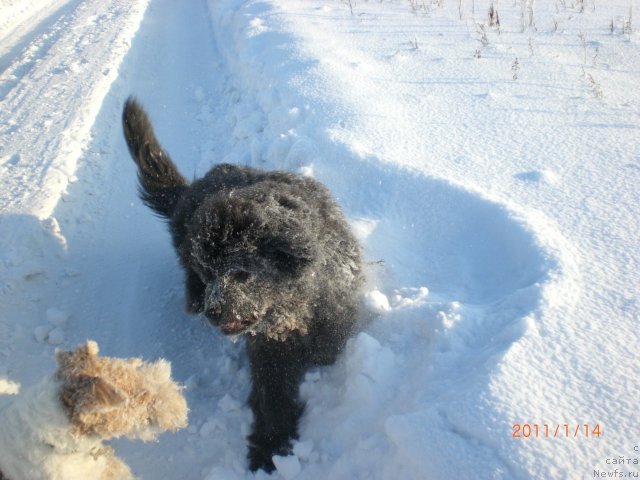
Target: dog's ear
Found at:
75, 362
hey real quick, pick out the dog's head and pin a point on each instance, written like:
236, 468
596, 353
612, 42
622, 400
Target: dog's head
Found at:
254, 249
112, 397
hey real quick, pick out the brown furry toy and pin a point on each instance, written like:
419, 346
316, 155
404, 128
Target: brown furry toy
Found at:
55, 430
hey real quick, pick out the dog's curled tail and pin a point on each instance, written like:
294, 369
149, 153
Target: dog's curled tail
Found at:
161, 184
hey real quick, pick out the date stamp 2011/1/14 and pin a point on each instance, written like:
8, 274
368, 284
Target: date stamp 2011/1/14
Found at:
556, 430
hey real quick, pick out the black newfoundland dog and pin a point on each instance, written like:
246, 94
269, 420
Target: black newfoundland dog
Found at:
267, 254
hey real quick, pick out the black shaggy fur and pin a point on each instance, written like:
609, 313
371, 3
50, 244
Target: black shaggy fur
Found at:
265, 253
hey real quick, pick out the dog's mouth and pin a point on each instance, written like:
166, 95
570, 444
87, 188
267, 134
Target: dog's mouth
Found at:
239, 325
228, 312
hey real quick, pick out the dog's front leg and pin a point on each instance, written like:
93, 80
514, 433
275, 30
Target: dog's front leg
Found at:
276, 371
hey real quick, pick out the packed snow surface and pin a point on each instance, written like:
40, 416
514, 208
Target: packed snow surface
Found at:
488, 163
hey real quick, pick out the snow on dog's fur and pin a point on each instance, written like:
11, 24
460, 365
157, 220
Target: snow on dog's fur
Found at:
55, 429
267, 254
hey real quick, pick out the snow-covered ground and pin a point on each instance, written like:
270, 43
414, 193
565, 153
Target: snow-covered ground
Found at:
491, 172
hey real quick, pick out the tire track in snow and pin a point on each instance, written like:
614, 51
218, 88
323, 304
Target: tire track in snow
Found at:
25, 54
51, 94
25, 21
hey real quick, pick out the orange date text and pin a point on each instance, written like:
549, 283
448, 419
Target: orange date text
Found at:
556, 430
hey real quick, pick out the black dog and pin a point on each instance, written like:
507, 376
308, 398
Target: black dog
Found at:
265, 253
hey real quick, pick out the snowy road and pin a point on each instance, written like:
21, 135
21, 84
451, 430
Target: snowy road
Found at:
497, 203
